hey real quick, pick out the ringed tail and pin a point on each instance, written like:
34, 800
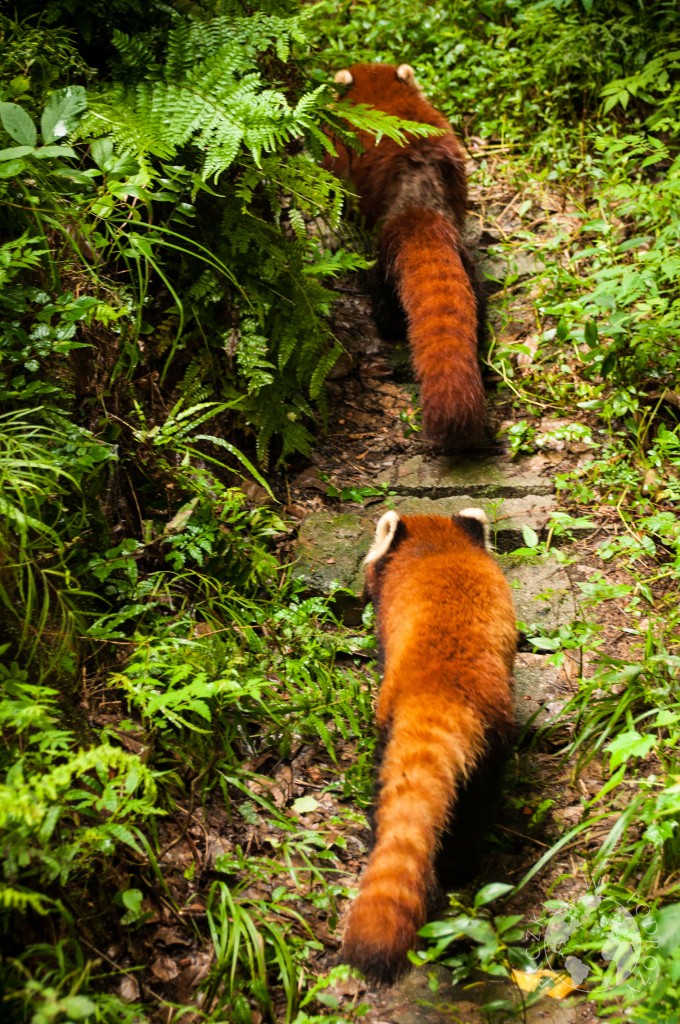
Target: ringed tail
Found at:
430, 751
421, 250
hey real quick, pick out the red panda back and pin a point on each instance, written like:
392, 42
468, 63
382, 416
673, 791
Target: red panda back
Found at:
446, 625
438, 162
455, 598
418, 193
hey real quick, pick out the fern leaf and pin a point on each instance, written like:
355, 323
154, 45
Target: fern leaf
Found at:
324, 367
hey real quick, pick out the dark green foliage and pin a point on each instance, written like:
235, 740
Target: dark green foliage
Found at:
518, 68
163, 265
164, 327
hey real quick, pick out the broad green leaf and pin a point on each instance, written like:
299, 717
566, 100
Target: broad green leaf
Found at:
480, 930
521, 959
505, 922
12, 167
43, 152
660, 833
545, 643
304, 805
78, 1007
20, 84
440, 929
668, 928
18, 124
530, 536
15, 152
132, 900
590, 333
141, 245
101, 152
64, 109
629, 744
492, 892
666, 717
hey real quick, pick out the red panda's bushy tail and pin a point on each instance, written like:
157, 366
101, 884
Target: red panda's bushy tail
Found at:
430, 751
421, 250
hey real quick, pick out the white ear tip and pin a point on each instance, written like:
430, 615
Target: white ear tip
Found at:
474, 513
343, 77
480, 515
406, 73
387, 523
384, 535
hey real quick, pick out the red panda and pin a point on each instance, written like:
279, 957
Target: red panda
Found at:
447, 635
418, 194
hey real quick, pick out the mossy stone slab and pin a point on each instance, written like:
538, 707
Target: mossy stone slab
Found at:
541, 690
415, 1000
331, 548
422, 476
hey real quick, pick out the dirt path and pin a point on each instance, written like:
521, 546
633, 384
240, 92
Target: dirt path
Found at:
336, 497
369, 445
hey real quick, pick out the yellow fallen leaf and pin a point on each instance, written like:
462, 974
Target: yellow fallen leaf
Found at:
529, 982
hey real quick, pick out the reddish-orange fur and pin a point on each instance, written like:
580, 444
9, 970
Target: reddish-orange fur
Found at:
418, 193
447, 630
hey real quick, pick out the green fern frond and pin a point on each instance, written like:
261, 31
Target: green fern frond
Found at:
18, 254
377, 122
192, 387
210, 94
209, 108
339, 261
324, 367
136, 59
190, 43
22, 900
296, 183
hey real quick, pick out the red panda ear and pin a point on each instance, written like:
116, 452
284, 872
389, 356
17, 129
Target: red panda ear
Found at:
343, 77
475, 524
389, 531
405, 73
390, 527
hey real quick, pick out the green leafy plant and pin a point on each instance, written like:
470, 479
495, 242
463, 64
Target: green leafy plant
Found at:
496, 939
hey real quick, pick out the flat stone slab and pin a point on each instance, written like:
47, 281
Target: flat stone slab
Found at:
506, 516
331, 548
541, 689
499, 266
541, 591
421, 476
413, 1001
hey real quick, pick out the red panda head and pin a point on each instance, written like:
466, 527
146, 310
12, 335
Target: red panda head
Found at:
366, 82
470, 526
385, 72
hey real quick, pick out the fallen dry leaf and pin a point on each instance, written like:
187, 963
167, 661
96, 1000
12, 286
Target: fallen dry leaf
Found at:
529, 982
164, 968
128, 989
166, 936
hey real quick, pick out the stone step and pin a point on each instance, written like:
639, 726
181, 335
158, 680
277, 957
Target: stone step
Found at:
425, 476
331, 548
541, 689
427, 996
506, 516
